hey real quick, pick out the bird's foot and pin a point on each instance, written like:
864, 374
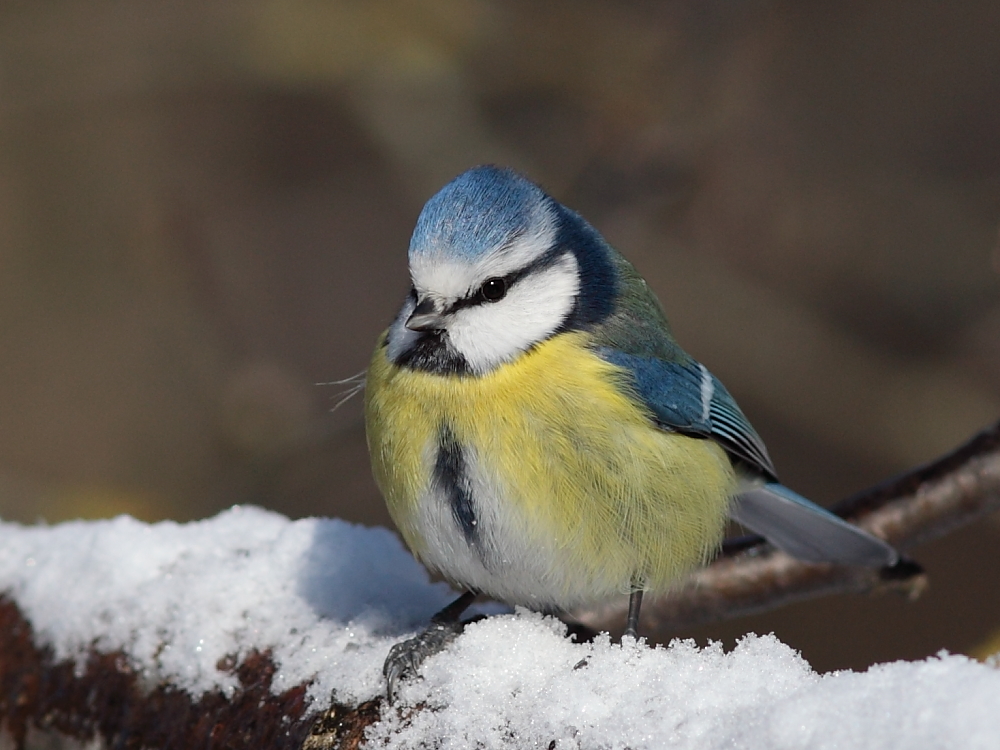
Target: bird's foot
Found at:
406, 657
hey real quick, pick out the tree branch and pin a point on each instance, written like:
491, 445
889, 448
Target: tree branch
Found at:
106, 698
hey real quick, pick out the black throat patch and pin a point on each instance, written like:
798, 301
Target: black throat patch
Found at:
452, 477
432, 353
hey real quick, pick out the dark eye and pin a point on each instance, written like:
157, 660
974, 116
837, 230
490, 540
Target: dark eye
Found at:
493, 290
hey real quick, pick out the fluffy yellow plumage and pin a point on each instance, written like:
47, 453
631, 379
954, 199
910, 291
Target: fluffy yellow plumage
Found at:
581, 477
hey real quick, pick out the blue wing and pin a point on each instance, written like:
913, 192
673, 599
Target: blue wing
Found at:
685, 397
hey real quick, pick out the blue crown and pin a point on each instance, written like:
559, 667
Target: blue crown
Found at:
475, 213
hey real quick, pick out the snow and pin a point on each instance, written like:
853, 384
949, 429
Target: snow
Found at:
514, 682
329, 599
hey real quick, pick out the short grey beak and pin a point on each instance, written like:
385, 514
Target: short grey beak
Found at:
426, 317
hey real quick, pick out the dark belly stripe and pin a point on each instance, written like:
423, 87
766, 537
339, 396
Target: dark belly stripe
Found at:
450, 474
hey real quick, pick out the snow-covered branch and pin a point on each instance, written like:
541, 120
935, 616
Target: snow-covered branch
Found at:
250, 630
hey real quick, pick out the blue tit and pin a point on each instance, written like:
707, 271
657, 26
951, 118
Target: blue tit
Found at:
538, 434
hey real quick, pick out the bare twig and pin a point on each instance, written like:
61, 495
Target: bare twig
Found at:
920, 505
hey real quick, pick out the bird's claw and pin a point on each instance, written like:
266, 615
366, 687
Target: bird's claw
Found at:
406, 657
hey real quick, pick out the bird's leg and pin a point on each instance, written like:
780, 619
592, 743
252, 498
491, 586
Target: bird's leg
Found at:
632, 623
406, 657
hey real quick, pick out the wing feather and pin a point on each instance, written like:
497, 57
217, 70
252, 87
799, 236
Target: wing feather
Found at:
685, 397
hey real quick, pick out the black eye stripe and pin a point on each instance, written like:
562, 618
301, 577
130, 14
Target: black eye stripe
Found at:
546, 260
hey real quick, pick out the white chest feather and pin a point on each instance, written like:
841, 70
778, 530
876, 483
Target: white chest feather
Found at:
474, 535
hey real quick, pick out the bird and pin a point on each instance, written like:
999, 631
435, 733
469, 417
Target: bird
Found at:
538, 434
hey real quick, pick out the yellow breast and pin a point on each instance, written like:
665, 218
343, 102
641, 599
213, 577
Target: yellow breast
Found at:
571, 472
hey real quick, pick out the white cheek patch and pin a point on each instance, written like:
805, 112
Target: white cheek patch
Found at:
490, 334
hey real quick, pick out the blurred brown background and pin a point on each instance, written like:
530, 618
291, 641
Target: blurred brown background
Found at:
205, 206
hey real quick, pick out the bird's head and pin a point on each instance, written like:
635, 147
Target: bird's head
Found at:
497, 266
